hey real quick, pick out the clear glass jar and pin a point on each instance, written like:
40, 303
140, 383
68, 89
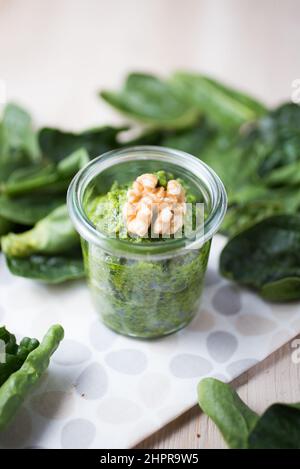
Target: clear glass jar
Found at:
145, 289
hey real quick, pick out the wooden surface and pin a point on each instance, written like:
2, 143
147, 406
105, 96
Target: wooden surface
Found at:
275, 379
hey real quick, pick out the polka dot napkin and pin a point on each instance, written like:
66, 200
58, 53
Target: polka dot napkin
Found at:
103, 390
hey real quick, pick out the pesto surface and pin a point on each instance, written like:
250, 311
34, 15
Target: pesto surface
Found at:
142, 298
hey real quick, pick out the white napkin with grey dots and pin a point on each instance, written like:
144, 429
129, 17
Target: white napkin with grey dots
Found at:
103, 390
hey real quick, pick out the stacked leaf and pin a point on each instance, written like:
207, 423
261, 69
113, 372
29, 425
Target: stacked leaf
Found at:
241, 428
35, 171
257, 155
255, 152
21, 366
13, 355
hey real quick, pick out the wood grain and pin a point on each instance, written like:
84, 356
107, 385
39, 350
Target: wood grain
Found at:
275, 379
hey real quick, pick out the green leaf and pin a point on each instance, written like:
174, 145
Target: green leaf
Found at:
285, 175
17, 131
5, 226
18, 385
275, 140
45, 179
56, 144
49, 269
223, 105
15, 354
18, 144
9, 339
28, 209
277, 428
286, 289
14, 361
193, 139
266, 257
231, 415
51, 235
153, 101
69, 166
240, 217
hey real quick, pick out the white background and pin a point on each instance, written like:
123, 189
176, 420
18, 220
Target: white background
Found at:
56, 54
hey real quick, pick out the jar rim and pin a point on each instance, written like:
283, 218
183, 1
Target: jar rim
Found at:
166, 248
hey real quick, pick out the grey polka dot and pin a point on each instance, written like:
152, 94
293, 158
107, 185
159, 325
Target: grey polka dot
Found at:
187, 365
118, 410
71, 352
252, 324
101, 337
227, 300
203, 322
18, 432
92, 383
212, 278
53, 404
78, 434
129, 361
221, 345
238, 367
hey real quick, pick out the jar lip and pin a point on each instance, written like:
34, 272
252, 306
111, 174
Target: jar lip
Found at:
116, 246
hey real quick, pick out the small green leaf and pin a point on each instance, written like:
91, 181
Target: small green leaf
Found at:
18, 143
151, 100
223, 105
28, 209
49, 269
286, 289
231, 415
266, 257
49, 178
69, 166
51, 235
5, 226
56, 144
277, 428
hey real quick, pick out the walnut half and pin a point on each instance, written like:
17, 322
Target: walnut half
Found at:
148, 203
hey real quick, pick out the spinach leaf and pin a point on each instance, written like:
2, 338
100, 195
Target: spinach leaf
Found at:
277, 428
148, 99
27, 209
223, 105
240, 217
49, 269
5, 226
193, 139
266, 257
15, 389
288, 175
14, 360
231, 415
18, 144
51, 235
56, 144
9, 340
275, 139
53, 178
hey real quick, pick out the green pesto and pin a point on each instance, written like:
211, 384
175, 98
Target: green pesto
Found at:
142, 298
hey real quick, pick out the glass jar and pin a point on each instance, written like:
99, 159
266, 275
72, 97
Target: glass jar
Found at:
149, 289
